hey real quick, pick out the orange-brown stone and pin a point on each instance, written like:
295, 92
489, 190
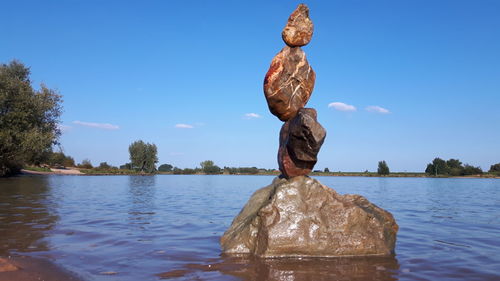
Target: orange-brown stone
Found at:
299, 28
289, 83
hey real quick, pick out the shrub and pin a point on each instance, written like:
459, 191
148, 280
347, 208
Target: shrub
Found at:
86, 164
165, 168
471, 170
495, 169
104, 166
126, 166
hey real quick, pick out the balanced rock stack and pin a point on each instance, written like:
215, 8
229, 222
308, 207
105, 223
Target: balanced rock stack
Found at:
288, 85
297, 216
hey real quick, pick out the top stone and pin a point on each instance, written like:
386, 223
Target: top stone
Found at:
299, 28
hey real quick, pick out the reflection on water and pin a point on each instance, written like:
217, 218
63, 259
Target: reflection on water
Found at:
142, 199
141, 181
248, 268
151, 227
318, 269
24, 214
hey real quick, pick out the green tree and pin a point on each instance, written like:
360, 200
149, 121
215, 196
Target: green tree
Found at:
383, 169
68, 161
165, 168
326, 170
208, 167
186, 171
437, 167
471, 170
495, 168
60, 159
454, 163
126, 166
86, 164
455, 167
104, 166
56, 159
143, 156
29, 119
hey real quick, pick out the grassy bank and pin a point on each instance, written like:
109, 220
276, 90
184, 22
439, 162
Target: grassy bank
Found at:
400, 175
104, 172
368, 174
38, 169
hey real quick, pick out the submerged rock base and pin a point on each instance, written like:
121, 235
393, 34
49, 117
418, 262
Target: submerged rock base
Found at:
300, 217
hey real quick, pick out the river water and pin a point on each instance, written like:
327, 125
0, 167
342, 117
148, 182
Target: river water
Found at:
168, 226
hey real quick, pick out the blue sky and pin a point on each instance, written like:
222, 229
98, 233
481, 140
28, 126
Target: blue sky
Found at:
187, 76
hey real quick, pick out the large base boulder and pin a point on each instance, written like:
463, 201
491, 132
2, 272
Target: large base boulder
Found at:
300, 217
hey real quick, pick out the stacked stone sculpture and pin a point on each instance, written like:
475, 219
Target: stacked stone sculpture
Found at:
297, 216
288, 85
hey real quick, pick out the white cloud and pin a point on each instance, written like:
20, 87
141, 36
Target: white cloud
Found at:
63, 128
252, 116
377, 109
105, 126
342, 106
184, 126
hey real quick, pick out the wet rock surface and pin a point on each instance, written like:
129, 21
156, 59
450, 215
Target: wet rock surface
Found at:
288, 83
300, 141
300, 217
299, 28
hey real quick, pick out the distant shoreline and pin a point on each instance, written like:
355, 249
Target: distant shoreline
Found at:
77, 172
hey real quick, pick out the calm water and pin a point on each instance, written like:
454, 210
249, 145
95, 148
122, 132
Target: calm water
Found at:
145, 228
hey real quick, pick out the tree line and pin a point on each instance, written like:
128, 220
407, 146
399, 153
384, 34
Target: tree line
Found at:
143, 159
29, 122
451, 167
209, 167
454, 167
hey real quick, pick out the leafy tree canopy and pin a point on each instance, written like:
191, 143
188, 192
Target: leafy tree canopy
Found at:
60, 159
165, 168
143, 156
86, 164
383, 169
241, 170
471, 170
209, 167
126, 166
105, 166
495, 168
452, 167
29, 119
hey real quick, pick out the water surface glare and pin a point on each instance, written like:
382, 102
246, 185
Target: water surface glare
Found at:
167, 226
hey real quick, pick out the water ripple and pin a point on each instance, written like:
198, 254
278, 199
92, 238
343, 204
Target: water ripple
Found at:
146, 228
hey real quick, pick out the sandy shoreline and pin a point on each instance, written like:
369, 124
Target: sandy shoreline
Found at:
53, 172
24, 268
